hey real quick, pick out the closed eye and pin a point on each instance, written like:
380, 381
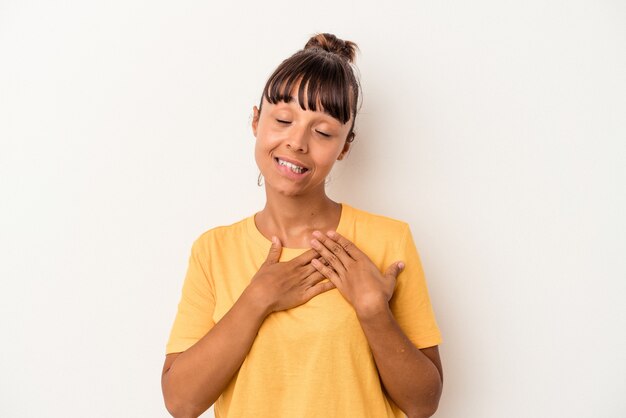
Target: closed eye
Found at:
283, 121
323, 134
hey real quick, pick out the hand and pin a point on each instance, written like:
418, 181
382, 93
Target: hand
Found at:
279, 286
353, 273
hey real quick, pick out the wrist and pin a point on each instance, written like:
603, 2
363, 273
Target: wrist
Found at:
372, 309
254, 297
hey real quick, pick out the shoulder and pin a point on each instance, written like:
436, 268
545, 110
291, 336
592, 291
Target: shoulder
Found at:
220, 235
378, 223
377, 233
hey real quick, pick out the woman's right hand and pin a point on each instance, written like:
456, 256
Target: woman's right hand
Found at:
280, 286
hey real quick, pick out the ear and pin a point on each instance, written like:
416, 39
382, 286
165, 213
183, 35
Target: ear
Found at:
346, 146
255, 119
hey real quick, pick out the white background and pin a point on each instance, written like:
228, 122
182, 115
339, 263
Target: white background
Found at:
495, 128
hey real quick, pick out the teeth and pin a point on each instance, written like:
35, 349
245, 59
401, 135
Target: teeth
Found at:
293, 167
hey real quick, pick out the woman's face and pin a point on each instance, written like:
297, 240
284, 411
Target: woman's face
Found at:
287, 135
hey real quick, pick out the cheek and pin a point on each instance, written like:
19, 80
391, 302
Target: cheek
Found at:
257, 151
331, 153
265, 143
267, 138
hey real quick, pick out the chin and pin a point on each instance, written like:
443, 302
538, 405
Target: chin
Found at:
285, 188
289, 192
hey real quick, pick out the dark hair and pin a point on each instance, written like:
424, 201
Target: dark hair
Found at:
323, 69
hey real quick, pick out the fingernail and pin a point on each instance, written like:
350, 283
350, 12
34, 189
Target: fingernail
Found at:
401, 265
331, 234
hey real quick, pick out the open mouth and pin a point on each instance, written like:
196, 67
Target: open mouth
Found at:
294, 168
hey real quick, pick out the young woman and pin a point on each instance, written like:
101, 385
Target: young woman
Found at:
308, 308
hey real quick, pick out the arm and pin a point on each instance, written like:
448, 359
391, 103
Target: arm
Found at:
412, 378
190, 383
193, 380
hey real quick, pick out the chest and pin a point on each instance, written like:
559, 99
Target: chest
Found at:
327, 316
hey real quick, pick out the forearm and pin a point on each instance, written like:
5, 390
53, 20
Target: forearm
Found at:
199, 375
410, 377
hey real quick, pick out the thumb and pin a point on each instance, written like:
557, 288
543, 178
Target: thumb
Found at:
394, 269
274, 254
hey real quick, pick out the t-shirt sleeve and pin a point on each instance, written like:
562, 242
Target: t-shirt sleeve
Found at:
194, 317
410, 303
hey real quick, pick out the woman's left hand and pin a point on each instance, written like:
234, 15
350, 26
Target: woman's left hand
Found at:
354, 274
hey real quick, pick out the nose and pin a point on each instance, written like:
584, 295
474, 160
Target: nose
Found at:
298, 139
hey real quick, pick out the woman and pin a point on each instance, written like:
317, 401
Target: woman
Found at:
287, 313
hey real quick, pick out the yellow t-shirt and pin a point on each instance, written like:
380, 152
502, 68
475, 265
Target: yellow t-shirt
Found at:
312, 360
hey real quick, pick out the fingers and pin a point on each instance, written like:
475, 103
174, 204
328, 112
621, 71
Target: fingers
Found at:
323, 261
332, 251
314, 277
274, 253
306, 257
316, 283
308, 269
394, 269
326, 271
347, 245
321, 287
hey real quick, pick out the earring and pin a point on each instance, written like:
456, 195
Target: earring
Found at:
258, 181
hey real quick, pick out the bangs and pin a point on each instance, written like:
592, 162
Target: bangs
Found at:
323, 84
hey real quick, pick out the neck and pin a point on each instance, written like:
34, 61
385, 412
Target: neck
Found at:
294, 218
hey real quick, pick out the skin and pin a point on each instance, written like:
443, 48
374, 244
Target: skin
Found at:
294, 209
295, 213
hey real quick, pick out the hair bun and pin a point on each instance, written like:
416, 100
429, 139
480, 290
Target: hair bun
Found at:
330, 43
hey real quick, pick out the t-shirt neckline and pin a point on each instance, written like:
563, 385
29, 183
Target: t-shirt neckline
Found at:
260, 239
